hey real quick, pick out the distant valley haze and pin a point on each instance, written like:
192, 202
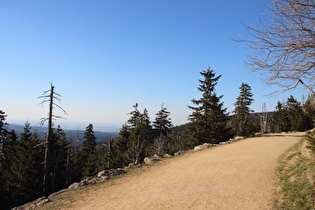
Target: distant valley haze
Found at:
70, 134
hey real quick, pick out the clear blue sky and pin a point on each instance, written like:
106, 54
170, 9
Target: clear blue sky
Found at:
103, 56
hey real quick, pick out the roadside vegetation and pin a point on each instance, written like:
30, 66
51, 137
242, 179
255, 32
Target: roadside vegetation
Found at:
296, 177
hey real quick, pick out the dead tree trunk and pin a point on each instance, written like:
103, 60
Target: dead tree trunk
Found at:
48, 142
49, 96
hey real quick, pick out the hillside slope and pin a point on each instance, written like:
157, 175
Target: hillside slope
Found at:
235, 176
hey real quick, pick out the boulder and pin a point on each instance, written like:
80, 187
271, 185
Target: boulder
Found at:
167, 156
156, 156
115, 172
102, 173
51, 196
33, 204
239, 138
148, 160
180, 152
87, 181
203, 146
133, 166
74, 186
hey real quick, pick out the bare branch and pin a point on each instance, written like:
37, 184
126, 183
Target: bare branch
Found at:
283, 45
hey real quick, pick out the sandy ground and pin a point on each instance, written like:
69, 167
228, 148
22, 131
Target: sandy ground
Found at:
235, 176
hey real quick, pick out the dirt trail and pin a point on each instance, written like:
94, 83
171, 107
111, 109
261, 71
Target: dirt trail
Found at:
234, 176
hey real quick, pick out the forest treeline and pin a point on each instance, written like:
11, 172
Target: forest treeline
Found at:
23, 155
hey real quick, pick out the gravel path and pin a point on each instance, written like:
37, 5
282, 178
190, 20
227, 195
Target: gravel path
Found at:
234, 176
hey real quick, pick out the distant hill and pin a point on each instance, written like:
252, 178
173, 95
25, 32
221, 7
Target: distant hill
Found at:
71, 134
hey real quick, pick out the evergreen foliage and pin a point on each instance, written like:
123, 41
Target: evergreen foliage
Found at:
292, 116
162, 122
120, 147
209, 117
242, 124
280, 120
5, 157
26, 180
89, 152
59, 152
309, 110
162, 126
135, 138
140, 135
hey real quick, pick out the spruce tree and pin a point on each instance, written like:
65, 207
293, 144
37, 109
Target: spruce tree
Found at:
162, 123
5, 163
309, 109
280, 120
208, 119
242, 124
135, 136
296, 114
162, 126
119, 151
59, 152
89, 152
140, 136
26, 179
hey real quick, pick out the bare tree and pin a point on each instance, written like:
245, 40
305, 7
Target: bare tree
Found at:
49, 96
283, 45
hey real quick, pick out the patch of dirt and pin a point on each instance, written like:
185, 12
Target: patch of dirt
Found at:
234, 176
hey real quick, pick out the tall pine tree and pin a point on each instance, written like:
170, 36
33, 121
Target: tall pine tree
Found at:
89, 152
140, 135
59, 152
135, 136
26, 179
5, 163
242, 124
208, 119
162, 126
280, 121
296, 114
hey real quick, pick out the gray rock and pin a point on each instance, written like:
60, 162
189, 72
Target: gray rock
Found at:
148, 160
74, 186
239, 138
203, 146
33, 204
167, 156
115, 172
156, 156
102, 173
51, 196
180, 152
133, 166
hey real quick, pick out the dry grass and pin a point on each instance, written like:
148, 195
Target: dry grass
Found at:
296, 175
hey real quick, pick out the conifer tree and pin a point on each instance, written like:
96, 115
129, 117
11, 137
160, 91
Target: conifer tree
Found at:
139, 135
296, 114
59, 151
162, 126
5, 198
208, 119
162, 123
309, 109
26, 178
280, 119
134, 138
119, 151
89, 152
242, 125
